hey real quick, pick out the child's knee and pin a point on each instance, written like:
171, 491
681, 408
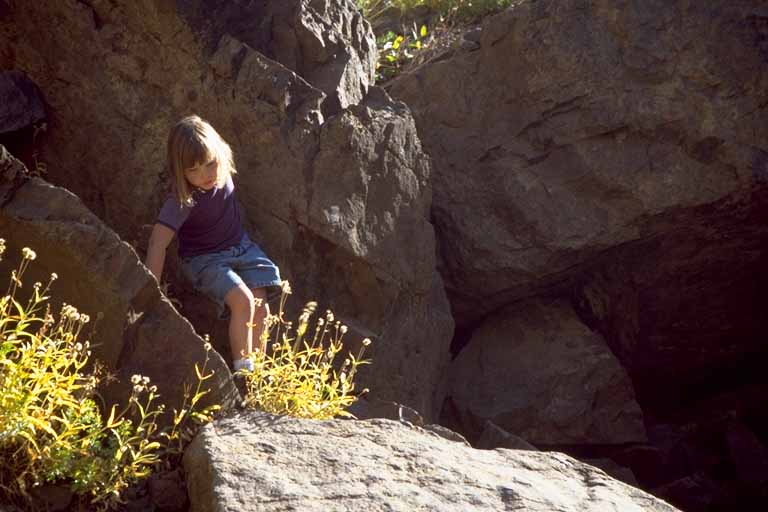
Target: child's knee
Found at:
240, 299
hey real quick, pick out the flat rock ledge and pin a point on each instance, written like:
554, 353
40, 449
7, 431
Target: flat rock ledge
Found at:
256, 461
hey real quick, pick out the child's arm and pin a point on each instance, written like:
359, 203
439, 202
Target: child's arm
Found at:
158, 242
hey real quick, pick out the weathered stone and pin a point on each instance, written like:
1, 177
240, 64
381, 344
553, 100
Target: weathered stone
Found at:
613, 154
167, 491
137, 329
493, 437
616, 471
567, 159
446, 433
364, 409
536, 371
618, 126
20, 102
253, 461
326, 42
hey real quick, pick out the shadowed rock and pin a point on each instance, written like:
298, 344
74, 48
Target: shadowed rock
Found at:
536, 371
20, 102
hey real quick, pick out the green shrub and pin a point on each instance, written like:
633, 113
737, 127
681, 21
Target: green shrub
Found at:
52, 430
300, 377
451, 10
396, 50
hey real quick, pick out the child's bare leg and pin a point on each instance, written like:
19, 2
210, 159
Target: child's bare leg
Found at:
260, 313
240, 302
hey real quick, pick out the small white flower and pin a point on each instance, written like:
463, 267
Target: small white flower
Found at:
366, 342
28, 254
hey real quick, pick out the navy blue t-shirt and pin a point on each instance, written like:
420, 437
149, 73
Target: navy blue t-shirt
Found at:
211, 224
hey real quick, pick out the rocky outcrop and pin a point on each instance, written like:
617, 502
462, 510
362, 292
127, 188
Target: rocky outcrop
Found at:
253, 461
615, 155
611, 118
138, 331
630, 165
328, 43
331, 176
537, 372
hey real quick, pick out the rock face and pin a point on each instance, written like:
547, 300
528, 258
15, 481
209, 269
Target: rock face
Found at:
20, 102
638, 150
254, 461
614, 154
536, 371
139, 332
332, 178
611, 117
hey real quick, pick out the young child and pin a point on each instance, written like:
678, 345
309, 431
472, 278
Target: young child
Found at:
215, 252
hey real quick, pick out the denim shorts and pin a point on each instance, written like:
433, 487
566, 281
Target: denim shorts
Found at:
215, 274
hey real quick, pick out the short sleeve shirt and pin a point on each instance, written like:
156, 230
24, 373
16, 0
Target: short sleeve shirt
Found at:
211, 224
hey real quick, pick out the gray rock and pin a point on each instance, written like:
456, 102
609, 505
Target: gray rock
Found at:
446, 433
365, 409
328, 43
254, 461
536, 371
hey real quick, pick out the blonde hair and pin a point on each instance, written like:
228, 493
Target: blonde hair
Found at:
191, 143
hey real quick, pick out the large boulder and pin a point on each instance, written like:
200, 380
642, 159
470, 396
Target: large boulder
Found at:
137, 331
252, 461
536, 371
326, 42
332, 178
574, 128
615, 154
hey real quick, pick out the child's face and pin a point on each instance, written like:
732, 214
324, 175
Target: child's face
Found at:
204, 176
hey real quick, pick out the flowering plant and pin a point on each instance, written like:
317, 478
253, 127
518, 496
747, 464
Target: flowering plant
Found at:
51, 426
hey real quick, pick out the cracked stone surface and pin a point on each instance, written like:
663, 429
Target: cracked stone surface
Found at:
254, 461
